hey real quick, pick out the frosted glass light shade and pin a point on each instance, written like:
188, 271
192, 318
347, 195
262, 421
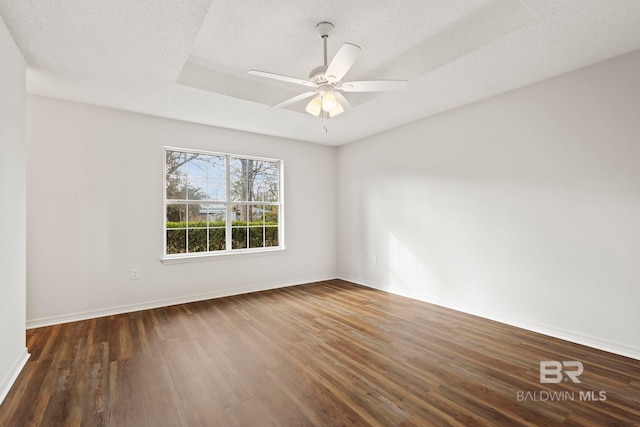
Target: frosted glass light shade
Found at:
329, 102
337, 110
314, 106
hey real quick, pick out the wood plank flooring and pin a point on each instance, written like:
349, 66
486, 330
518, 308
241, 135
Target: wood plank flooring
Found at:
324, 354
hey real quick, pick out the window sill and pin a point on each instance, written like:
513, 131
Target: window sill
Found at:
181, 259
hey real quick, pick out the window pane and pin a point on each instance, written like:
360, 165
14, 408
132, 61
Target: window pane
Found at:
197, 216
176, 216
239, 214
254, 180
189, 176
239, 237
198, 165
217, 239
197, 239
176, 241
257, 214
238, 174
271, 236
256, 235
196, 188
239, 190
176, 187
258, 189
263, 180
216, 189
176, 162
270, 215
215, 214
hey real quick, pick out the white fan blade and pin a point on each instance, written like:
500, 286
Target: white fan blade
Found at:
373, 85
294, 99
342, 100
342, 62
282, 78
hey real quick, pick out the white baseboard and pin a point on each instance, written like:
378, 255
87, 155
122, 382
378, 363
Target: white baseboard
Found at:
109, 311
552, 331
13, 373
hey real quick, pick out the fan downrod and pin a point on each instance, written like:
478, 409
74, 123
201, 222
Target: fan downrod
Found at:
317, 75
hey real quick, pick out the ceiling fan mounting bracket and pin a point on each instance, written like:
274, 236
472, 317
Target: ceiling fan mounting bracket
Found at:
325, 28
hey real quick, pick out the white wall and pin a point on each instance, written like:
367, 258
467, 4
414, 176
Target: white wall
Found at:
524, 208
95, 211
13, 351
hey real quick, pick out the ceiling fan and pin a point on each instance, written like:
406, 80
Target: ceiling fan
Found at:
326, 82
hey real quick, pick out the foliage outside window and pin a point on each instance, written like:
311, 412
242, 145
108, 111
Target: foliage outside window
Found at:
221, 203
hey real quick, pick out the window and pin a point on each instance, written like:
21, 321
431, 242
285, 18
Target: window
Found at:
221, 203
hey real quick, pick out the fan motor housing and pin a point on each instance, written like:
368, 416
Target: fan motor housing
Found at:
317, 75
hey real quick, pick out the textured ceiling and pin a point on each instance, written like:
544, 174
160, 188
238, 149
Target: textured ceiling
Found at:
189, 60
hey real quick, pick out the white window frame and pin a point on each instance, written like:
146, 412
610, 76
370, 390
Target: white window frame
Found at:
228, 251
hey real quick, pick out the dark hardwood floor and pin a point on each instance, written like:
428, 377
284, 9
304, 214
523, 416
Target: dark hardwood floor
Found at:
323, 354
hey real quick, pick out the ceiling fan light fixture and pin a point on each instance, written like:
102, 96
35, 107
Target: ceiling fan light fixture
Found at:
329, 102
314, 107
337, 110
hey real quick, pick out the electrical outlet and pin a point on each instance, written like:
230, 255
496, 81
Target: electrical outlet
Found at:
361, 258
375, 259
135, 273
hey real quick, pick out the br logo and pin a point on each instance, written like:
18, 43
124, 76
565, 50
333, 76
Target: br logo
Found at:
551, 371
